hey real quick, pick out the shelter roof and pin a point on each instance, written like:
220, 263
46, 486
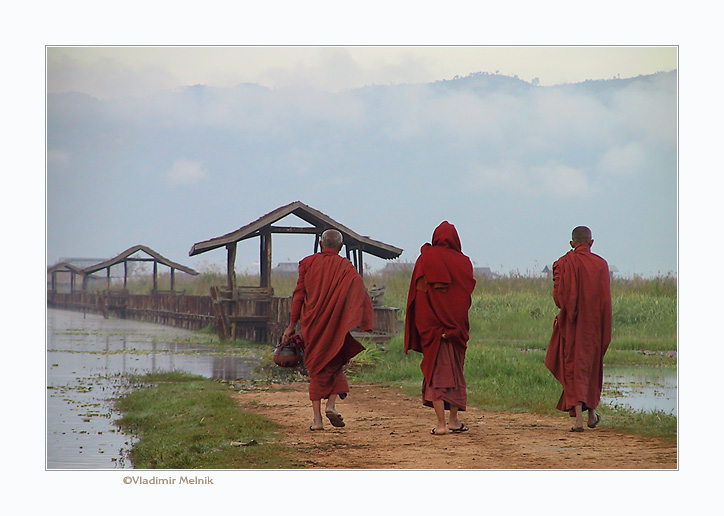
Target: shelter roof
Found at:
65, 267
316, 218
124, 256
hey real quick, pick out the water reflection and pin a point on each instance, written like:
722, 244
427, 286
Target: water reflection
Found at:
86, 356
641, 388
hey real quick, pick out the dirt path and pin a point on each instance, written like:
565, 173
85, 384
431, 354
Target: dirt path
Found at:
390, 430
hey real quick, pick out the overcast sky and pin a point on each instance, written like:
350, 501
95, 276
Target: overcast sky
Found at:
107, 72
147, 159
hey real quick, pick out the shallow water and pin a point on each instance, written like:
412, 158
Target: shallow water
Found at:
641, 388
86, 356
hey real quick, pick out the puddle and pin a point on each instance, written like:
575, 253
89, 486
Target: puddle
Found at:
86, 358
641, 388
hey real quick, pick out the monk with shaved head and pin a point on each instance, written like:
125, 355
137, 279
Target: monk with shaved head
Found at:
330, 299
582, 328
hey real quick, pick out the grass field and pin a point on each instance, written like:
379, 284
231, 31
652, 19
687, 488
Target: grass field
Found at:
510, 325
189, 422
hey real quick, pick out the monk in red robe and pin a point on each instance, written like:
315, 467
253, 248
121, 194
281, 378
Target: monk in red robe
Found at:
330, 299
582, 328
436, 324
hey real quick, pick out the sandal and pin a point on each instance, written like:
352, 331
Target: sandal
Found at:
335, 418
595, 423
462, 428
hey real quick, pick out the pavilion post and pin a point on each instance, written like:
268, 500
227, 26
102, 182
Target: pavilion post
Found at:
265, 258
230, 260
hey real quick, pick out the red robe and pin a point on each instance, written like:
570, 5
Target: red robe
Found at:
438, 302
582, 328
330, 300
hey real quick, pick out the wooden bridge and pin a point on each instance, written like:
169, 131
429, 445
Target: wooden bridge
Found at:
250, 313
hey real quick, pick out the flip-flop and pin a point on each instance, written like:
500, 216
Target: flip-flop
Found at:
595, 423
315, 429
462, 428
334, 418
433, 432
576, 429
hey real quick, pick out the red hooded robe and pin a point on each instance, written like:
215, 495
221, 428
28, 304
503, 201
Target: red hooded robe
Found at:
582, 328
438, 302
330, 299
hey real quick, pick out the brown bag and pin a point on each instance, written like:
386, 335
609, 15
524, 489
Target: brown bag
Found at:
289, 354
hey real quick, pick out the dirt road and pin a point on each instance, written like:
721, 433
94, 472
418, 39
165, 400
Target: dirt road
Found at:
386, 429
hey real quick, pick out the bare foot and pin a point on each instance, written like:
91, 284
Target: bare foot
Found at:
439, 430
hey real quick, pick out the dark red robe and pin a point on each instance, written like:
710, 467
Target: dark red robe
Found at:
330, 300
438, 302
582, 328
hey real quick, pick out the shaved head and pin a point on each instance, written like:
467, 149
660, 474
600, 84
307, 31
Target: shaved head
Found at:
332, 238
581, 235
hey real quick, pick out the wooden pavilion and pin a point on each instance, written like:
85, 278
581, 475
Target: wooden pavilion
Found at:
253, 312
64, 268
355, 245
129, 255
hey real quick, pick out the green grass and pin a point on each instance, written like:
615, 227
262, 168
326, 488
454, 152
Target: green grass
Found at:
511, 320
510, 326
189, 422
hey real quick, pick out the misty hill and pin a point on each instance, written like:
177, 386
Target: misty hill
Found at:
499, 157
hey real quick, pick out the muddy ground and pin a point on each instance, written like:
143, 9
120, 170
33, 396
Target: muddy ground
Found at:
386, 429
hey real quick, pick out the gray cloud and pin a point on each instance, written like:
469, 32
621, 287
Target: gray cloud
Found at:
495, 154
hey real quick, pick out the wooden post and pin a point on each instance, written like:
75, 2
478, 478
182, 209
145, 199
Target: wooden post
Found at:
108, 278
316, 241
361, 262
172, 271
155, 276
230, 259
265, 258
125, 273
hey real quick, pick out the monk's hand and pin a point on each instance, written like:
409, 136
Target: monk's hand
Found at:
287, 333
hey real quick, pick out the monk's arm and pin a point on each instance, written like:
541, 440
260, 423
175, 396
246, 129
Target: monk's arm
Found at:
557, 298
297, 302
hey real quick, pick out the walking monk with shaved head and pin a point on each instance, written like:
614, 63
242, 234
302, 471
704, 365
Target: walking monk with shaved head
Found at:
330, 300
582, 328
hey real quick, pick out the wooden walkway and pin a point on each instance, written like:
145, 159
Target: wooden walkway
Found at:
250, 313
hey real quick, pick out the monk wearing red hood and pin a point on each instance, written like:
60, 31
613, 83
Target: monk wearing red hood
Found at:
436, 324
582, 328
330, 300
